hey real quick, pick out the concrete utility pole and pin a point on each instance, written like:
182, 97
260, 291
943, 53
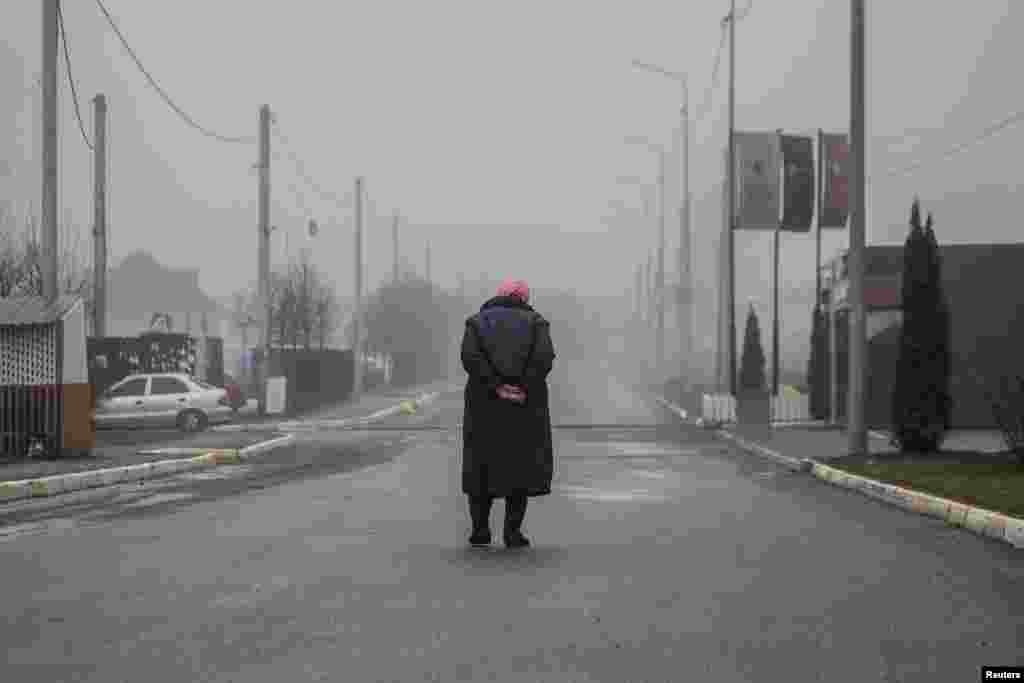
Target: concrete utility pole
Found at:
48, 229
686, 314
99, 228
427, 269
639, 292
394, 240
660, 284
856, 427
263, 267
357, 320
731, 231
649, 294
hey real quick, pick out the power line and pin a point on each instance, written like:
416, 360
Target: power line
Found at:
300, 167
166, 98
988, 132
709, 93
71, 78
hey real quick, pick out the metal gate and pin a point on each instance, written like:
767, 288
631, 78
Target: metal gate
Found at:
31, 396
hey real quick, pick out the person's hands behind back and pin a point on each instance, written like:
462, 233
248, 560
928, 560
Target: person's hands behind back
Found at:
512, 393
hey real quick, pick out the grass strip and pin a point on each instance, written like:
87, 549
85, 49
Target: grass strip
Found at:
994, 486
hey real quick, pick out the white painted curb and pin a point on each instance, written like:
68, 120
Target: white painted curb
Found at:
672, 407
979, 520
801, 465
66, 483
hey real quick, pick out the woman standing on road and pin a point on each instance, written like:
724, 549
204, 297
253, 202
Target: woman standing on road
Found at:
507, 448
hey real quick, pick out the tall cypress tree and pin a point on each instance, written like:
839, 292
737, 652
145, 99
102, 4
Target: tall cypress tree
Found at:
920, 395
817, 366
752, 376
942, 338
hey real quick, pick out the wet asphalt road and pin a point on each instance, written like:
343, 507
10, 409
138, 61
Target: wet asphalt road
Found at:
662, 556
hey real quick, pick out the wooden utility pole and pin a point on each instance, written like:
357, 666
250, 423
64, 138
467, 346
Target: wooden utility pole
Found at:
263, 268
48, 229
856, 427
357, 320
99, 228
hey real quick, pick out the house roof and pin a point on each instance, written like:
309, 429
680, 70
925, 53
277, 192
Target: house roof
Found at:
19, 311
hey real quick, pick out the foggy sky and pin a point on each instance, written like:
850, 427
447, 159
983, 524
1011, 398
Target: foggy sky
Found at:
477, 114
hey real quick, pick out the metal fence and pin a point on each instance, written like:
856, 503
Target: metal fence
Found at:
111, 359
31, 400
786, 407
31, 415
315, 377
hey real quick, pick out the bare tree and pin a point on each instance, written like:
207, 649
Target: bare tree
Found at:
305, 306
327, 313
21, 261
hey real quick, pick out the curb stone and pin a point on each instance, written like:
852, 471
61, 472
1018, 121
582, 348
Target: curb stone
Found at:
798, 464
11, 491
983, 522
979, 520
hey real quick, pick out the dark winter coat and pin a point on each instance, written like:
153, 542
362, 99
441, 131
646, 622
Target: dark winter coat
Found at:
507, 447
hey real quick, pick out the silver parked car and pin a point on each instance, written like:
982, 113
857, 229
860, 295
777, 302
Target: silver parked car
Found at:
162, 400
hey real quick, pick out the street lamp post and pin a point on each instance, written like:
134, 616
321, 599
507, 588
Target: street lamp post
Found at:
685, 265
659, 293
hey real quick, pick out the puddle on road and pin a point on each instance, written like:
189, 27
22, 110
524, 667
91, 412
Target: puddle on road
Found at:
160, 498
650, 449
223, 472
610, 495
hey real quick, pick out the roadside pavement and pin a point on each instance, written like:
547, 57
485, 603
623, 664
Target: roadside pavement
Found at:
110, 464
380, 402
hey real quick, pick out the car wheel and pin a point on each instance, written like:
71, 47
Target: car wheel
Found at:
191, 421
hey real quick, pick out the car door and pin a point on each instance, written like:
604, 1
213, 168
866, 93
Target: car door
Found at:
167, 397
123, 405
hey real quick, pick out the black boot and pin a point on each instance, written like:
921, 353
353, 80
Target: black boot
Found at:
480, 513
515, 510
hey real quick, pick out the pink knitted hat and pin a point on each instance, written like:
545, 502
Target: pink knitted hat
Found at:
516, 288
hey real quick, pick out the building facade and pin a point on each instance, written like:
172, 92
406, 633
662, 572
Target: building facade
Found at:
987, 319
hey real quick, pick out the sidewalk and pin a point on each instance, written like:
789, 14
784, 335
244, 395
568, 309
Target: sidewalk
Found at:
823, 444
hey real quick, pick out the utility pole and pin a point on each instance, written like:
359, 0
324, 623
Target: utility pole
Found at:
357, 320
660, 284
775, 313
731, 302
394, 241
263, 268
427, 265
649, 290
856, 428
686, 315
639, 293
48, 229
99, 228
